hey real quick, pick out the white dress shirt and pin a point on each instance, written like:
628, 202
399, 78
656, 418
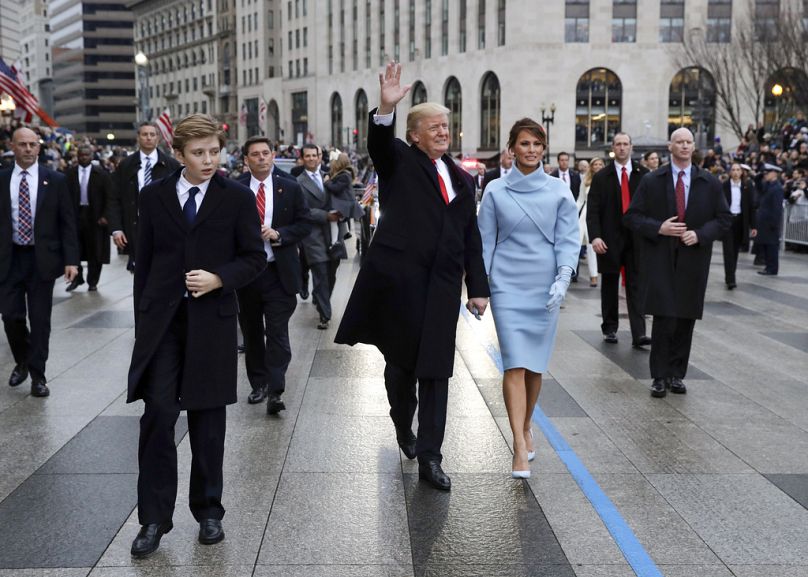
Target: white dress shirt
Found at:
675, 170
619, 168
268, 208
182, 191
140, 173
84, 184
735, 202
14, 188
503, 172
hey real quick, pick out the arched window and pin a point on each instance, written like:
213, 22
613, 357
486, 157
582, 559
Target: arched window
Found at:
418, 93
201, 56
598, 102
336, 120
786, 94
454, 102
691, 104
489, 113
193, 57
274, 131
361, 124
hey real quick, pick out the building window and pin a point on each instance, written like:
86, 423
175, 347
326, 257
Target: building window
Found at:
598, 100
481, 24
500, 22
785, 95
454, 102
719, 20
382, 55
576, 21
624, 20
367, 34
671, 20
691, 104
428, 29
300, 115
336, 120
418, 93
444, 28
396, 30
767, 13
461, 37
361, 123
411, 29
489, 113
354, 39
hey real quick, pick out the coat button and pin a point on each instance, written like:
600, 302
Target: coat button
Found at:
172, 303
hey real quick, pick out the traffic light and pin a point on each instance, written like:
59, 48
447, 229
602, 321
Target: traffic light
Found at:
355, 136
225, 127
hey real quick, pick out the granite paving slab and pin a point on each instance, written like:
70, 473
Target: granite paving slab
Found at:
774, 295
333, 571
797, 340
724, 308
795, 486
489, 570
77, 572
769, 570
106, 320
175, 571
347, 363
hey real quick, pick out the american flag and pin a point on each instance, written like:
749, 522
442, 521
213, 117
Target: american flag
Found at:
262, 115
164, 126
367, 197
242, 114
25, 102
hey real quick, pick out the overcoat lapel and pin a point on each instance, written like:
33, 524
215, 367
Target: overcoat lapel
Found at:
431, 172
42, 190
168, 196
278, 199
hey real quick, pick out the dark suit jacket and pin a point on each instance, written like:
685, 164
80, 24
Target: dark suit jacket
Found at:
769, 213
99, 189
674, 276
490, 175
575, 181
747, 207
290, 217
122, 207
604, 214
225, 239
407, 295
56, 243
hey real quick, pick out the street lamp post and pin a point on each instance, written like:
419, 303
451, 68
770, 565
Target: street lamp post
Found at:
547, 121
777, 92
142, 63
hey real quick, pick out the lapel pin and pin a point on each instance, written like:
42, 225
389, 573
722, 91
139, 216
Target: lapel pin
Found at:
280, 190
44, 182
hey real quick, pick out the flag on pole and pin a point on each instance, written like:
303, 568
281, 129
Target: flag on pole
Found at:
367, 197
242, 115
164, 126
262, 115
26, 103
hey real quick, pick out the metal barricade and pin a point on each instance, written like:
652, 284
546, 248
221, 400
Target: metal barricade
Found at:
795, 225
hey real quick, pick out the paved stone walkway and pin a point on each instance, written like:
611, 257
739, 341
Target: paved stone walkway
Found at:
713, 484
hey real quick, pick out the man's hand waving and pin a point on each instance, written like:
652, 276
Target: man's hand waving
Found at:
390, 89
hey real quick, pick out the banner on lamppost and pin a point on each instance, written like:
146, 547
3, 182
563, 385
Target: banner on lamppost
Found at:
262, 115
164, 126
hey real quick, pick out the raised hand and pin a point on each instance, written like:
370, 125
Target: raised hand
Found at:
390, 90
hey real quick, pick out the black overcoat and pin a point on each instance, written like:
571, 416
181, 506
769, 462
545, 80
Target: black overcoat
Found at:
406, 299
747, 208
769, 213
99, 190
673, 277
604, 215
225, 239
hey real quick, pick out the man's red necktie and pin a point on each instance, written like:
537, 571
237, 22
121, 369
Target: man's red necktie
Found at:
680, 196
626, 197
442, 184
260, 201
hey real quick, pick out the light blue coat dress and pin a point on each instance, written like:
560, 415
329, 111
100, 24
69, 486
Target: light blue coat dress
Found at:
529, 227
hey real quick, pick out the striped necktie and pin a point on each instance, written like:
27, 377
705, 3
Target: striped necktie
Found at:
25, 224
147, 172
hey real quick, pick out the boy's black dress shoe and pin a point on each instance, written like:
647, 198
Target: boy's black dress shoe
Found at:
148, 538
39, 388
274, 404
641, 342
75, 283
658, 388
431, 472
210, 531
406, 441
676, 386
18, 376
257, 396
610, 338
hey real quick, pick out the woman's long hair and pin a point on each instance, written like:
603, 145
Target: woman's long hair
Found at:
590, 173
341, 164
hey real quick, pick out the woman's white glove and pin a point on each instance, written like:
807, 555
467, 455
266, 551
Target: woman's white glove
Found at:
558, 290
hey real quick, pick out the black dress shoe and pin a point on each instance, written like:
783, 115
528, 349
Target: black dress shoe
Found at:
241, 349
274, 404
92, 288
304, 293
731, 285
766, 273
323, 324
658, 388
431, 472
641, 342
18, 376
210, 531
39, 388
610, 337
676, 386
75, 283
148, 538
257, 396
406, 442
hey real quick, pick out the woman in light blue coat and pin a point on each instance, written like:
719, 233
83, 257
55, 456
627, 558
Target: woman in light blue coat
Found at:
529, 225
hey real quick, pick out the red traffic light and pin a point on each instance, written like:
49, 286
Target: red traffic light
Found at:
355, 131
225, 127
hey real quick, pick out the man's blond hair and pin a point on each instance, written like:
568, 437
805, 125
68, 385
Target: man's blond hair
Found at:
421, 111
196, 126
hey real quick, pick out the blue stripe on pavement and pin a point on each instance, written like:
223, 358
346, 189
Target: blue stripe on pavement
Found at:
637, 557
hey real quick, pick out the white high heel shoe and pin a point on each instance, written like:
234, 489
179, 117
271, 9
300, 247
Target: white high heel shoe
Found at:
520, 474
531, 454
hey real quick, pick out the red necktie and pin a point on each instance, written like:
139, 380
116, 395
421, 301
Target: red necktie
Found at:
442, 184
624, 190
680, 196
260, 201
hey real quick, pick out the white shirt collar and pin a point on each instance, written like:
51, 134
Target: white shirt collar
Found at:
152, 157
254, 182
32, 170
619, 167
183, 185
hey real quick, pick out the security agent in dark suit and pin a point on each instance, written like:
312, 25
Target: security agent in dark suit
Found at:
608, 199
90, 187
134, 172
267, 303
678, 212
739, 192
505, 165
199, 240
407, 295
565, 173
38, 242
